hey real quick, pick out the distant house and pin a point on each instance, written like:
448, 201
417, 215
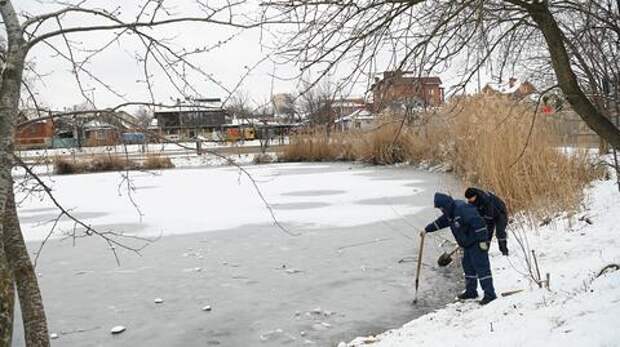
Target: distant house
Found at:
359, 119
32, 131
406, 88
102, 128
513, 87
188, 123
100, 133
346, 106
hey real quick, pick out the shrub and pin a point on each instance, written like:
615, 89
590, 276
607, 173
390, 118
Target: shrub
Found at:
67, 167
262, 158
156, 162
105, 163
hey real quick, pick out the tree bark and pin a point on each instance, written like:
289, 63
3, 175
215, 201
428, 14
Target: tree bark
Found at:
7, 300
31, 303
567, 80
10, 88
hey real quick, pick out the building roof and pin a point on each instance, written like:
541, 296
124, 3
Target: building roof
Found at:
357, 115
187, 109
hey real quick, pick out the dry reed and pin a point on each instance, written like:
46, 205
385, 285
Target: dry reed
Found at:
491, 142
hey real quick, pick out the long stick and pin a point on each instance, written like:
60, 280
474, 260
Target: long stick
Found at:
417, 275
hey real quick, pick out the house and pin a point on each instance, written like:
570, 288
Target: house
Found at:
359, 119
100, 133
101, 128
32, 130
346, 106
513, 87
190, 122
406, 88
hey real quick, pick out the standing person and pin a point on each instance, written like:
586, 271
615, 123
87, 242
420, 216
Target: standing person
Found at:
471, 234
494, 212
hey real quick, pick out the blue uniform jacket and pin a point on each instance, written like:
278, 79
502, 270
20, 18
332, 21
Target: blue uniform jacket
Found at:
463, 219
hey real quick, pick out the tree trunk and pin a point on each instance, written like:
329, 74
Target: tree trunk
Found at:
10, 89
566, 77
7, 300
33, 313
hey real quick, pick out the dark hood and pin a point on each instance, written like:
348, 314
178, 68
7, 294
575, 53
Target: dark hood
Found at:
444, 202
478, 193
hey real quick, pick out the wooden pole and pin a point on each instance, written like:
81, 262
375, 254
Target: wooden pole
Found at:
417, 275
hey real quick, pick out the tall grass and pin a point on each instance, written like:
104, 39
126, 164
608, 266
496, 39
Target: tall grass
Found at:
489, 142
507, 148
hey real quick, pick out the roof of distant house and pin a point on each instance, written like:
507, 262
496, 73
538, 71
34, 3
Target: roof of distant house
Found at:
357, 115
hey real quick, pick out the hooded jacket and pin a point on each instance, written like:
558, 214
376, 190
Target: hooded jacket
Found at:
463, 219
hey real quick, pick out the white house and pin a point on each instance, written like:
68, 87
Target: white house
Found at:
360, 119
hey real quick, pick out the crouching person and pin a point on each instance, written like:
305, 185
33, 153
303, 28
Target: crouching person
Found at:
471, 234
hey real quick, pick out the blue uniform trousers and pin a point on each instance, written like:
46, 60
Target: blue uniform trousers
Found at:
477, 268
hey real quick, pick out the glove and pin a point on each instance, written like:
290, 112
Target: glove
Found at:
484, 246
428, 228
503, 247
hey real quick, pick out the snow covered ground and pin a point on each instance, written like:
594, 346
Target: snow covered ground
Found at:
579, 309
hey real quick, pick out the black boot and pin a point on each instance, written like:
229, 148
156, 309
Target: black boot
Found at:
487, 299
467, 295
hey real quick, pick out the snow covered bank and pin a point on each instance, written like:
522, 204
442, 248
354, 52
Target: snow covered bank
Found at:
579, 309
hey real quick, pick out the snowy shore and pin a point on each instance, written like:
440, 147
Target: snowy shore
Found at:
580, 308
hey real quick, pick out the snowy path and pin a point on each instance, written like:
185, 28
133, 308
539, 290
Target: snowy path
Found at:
339, 279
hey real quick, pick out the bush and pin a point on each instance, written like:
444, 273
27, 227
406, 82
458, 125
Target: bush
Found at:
104, 163
67, 167
156, 162
262, 158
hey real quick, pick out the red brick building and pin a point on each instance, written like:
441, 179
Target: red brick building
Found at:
35, 135
406, 88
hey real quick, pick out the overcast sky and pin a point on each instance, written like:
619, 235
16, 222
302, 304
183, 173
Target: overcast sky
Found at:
118, 67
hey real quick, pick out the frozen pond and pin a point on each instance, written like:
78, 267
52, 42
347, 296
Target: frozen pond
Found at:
339, 278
